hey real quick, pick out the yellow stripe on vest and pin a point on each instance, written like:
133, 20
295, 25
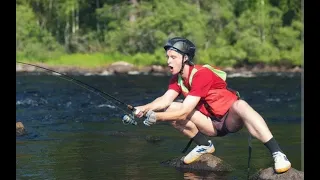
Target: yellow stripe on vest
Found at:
220, 73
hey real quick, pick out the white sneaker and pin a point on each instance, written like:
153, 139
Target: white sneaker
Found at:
281, 162
197, 152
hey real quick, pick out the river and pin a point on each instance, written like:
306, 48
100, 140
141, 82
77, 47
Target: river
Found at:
76, 134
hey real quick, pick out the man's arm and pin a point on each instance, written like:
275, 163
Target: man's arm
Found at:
202, 82
163, 101
159, 103
188, 105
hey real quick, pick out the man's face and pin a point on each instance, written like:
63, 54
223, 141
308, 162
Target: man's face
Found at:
174, 60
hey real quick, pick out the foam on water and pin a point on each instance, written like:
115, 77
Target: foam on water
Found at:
32, 102
106, 105
273, 99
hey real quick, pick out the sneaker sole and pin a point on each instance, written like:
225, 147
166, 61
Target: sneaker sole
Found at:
195, 158
282, 170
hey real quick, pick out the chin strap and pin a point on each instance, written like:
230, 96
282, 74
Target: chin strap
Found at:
182, 65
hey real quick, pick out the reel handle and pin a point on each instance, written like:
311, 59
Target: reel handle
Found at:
134, 110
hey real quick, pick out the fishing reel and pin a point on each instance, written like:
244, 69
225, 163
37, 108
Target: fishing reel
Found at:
129, 119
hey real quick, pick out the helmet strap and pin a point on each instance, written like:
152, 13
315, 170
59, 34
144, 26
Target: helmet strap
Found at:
182, 65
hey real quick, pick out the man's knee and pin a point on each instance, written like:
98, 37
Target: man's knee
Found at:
178, 125
239, 106
174, 124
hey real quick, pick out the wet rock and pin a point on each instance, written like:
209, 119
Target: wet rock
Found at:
133, 72
106, 73
19, 68
206, 162
153, 139
148, 138
118, 133
158, 68
207, 175
296, 69
146, 69
120, 67
20, 130
270, 174
228, 69
25, 68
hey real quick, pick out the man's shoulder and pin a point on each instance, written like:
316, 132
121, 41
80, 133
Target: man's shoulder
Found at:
203, 70
206, 73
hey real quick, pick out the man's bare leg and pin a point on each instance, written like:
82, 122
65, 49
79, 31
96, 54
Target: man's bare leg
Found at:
194, 123
193, 126
242, 113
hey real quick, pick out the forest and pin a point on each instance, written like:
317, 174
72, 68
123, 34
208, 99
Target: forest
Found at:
98, 32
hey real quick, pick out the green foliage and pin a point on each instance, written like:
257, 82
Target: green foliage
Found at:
32, 41
293, 56
258, 51
93, 33
287, 38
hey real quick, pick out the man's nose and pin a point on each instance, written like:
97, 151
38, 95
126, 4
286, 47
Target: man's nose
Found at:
168, 60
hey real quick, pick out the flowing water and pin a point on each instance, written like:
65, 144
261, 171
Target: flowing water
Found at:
73, 133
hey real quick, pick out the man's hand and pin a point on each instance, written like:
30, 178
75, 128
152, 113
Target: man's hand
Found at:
151, 118
140, 111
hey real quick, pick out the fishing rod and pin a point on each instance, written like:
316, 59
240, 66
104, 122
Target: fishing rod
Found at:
127, 119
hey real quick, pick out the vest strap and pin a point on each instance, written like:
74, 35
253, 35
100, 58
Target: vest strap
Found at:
220, 73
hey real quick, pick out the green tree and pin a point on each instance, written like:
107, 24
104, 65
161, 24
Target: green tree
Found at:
32, 40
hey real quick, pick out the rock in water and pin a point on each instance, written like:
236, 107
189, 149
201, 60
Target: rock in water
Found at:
270, 174
20, 129
153, 139
206, 162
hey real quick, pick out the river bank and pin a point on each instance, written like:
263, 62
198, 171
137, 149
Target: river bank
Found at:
122, 67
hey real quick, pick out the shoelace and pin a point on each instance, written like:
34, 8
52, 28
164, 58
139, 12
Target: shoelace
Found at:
204, 147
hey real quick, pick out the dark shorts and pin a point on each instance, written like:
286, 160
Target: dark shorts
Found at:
220, 124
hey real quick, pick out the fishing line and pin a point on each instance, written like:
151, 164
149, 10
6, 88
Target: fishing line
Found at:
88, 87
95, 93
249, 157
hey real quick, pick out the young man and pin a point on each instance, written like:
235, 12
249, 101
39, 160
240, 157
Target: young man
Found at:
209, 107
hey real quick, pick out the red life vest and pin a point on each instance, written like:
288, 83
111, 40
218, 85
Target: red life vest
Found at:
217, 101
